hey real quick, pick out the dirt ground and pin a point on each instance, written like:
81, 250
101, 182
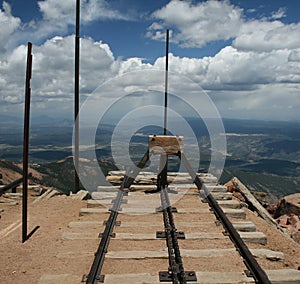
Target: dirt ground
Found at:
26, 262
44, 252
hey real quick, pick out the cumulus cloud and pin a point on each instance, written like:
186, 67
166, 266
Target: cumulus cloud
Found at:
195, 25
267, 36
64, 11
235, 79
53, 71
258, 75
281, 13
294, 55
57, 19
9, 24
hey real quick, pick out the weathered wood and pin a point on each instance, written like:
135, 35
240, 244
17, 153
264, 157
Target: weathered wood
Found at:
196, 253
262, 212
42, 196
80, 195
234, 204
234, 213
284, 276
151, 177
59, 279
163, 144
112, 188
254, 237
104, 195
281, 276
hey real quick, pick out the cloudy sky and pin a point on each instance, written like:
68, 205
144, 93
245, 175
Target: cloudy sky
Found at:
244, 54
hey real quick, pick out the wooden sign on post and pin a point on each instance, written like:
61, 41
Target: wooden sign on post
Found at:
162, 144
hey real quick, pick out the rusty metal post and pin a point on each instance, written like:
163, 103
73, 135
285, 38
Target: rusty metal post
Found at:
166, 82
76, 94
26, 141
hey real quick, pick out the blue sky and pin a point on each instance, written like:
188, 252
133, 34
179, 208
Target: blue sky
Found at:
244, 54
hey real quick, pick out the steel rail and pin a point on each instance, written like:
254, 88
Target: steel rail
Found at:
94, 275
255, 269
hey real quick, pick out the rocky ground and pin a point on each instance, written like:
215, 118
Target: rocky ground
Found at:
285, 211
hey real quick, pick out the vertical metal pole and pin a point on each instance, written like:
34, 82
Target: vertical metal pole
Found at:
76, 91
26, 142
166, 82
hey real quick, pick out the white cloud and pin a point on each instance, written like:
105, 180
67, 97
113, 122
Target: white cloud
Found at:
258, 76
267, 36
57, 19
64, 11
195, 25
53, 71
9, 24
281, 13
295, 55
242, 83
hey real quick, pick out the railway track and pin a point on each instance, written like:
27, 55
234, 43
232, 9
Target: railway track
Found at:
148, 240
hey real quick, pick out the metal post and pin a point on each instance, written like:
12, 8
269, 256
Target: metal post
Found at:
76, 91
26, 142
166, 83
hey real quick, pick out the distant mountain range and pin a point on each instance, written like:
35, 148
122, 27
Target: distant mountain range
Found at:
265, 155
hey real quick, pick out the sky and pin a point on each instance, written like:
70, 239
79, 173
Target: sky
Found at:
244, 54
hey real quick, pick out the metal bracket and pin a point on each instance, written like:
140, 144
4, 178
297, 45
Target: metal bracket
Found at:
165, 276
111, 210
99, 278
218, 223
190, 276
112, 235
162, 235
123, 201
248, 273
159, 209
117, 223
225, 233
180, 235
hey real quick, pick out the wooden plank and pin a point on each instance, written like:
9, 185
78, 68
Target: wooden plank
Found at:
202, 278
258, 207
165, 144
233, 204
281, 276
284, 276
104, 195
234, 213
108, 188
254, 237
134, 236
247, 226
59, 279
196, 253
